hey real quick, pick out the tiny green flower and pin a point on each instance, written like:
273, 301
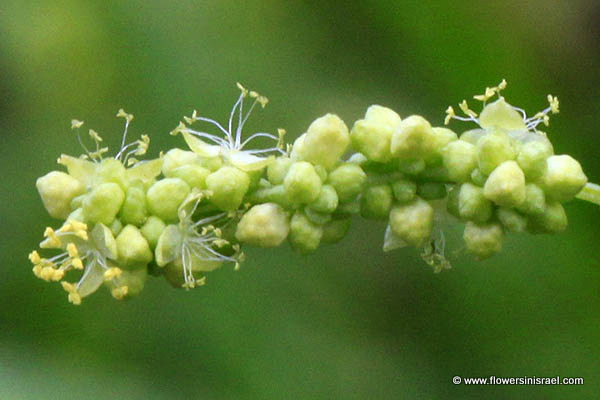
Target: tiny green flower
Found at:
326, 140
57, 190
302, 183
483, 240
264, 225
165, 197
506, 185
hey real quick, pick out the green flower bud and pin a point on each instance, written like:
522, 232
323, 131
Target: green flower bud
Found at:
112, 170
103, 203
327, 201
335, 230
57, 189
472, 204
431, 190
132, 248
168, 246
326, 140
347, 180
264, 225
414, 138
500, 114
404, 191
506, 185
532, 157
277, 170
493, 149
441, 138
302, 183
473, 135
478, 177
412, 222
483, 241
460, 159
511, 219
535, 200
152, 230
305, 235
192, 174
563, 178
382, 115
297, 153
175, 158
133, 210
165, 196
228, 186
376, 202
372, 136
552, 220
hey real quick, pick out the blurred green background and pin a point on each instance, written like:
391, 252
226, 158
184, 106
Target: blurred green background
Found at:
349, 322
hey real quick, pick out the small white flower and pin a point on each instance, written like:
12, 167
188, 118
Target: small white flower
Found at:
230, 145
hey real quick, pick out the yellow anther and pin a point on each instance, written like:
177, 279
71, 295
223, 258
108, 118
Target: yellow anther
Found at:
254, 94
464, 106
553, 101
35, 258
69, 287
37, 270
78, 225
76, 124
243, 89
47, 273
77, 263
95, 135
489, 93
143, 144
120, 292
57, 275
74, 298
449, 115
72, 250
180, 128
546, 120
52, 239
501, 85
112, 273
220, 243
122, 114
262, 100
132, 161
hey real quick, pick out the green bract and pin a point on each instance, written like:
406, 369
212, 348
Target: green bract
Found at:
186, 213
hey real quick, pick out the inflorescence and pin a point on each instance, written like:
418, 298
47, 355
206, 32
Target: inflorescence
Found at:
186, 213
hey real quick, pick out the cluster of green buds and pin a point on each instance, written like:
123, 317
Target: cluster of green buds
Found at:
188, 212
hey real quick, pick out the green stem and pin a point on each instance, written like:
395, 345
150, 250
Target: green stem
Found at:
591, 193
